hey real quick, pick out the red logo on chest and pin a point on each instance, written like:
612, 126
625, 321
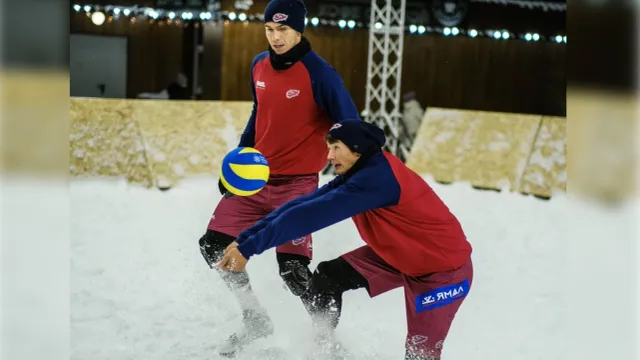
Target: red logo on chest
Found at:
292, 93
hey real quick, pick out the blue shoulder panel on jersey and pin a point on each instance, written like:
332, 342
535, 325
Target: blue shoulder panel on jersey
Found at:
248, 137
328, 89
380, 180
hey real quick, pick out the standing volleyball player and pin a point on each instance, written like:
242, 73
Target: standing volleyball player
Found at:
297, 98
412, 239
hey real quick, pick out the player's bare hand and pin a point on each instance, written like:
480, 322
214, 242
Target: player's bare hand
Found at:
233, 261
233, 245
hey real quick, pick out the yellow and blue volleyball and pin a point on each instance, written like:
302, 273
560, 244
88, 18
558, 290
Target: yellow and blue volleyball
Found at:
245, 171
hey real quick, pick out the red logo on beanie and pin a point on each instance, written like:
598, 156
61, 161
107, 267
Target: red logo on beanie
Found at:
280, 17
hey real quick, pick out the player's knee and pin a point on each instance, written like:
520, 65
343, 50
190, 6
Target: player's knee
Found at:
212, 245
337, 276
295, 272
324, 298
325, 278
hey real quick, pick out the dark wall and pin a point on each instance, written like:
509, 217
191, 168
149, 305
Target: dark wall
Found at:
454, 72
154, 55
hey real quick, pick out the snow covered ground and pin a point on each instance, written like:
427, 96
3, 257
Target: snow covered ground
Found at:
139, 288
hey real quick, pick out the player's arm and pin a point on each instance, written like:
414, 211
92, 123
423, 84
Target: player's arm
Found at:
335, 205
332, 96
284, 207
248, 137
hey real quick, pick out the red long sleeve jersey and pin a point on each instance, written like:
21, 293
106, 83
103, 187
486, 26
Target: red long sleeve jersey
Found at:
395, 211
417, 234
293, 110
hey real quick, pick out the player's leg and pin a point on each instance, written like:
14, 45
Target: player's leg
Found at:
294, 271
232, 215
360, 268
432, 302
212, 245
294, 257
323, 299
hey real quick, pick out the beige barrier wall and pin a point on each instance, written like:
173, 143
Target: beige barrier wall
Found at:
602, 146
33, 122
150, 142
156, 143
546, 169
490, 150
524, 153
188, 138
105, 141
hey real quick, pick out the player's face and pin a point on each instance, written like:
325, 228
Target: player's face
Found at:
281, 37
341, 157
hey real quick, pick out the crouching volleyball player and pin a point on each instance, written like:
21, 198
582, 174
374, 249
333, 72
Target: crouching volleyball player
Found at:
413, 240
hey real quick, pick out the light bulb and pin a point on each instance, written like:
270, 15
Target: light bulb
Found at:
98, 18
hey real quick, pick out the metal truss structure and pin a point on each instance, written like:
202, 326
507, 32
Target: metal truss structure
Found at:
384, 72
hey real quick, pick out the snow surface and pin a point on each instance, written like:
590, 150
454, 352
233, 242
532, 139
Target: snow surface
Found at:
140, 289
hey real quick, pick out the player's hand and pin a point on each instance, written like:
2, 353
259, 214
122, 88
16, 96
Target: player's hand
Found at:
223, 190
221, 187
233, 245
233, 260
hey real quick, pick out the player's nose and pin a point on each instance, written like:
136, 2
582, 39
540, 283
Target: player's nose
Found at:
330, 155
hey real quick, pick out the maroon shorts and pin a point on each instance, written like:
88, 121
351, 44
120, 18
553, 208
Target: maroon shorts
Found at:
431, 300
237, 213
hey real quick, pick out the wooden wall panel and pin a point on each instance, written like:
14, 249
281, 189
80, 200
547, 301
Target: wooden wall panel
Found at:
463, 73
449, 72
154, 56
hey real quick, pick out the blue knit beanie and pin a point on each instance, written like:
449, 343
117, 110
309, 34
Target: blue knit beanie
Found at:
359, 136
287, 12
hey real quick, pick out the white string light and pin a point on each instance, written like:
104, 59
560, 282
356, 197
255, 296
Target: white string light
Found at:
494, 34
545, 6
188, 15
